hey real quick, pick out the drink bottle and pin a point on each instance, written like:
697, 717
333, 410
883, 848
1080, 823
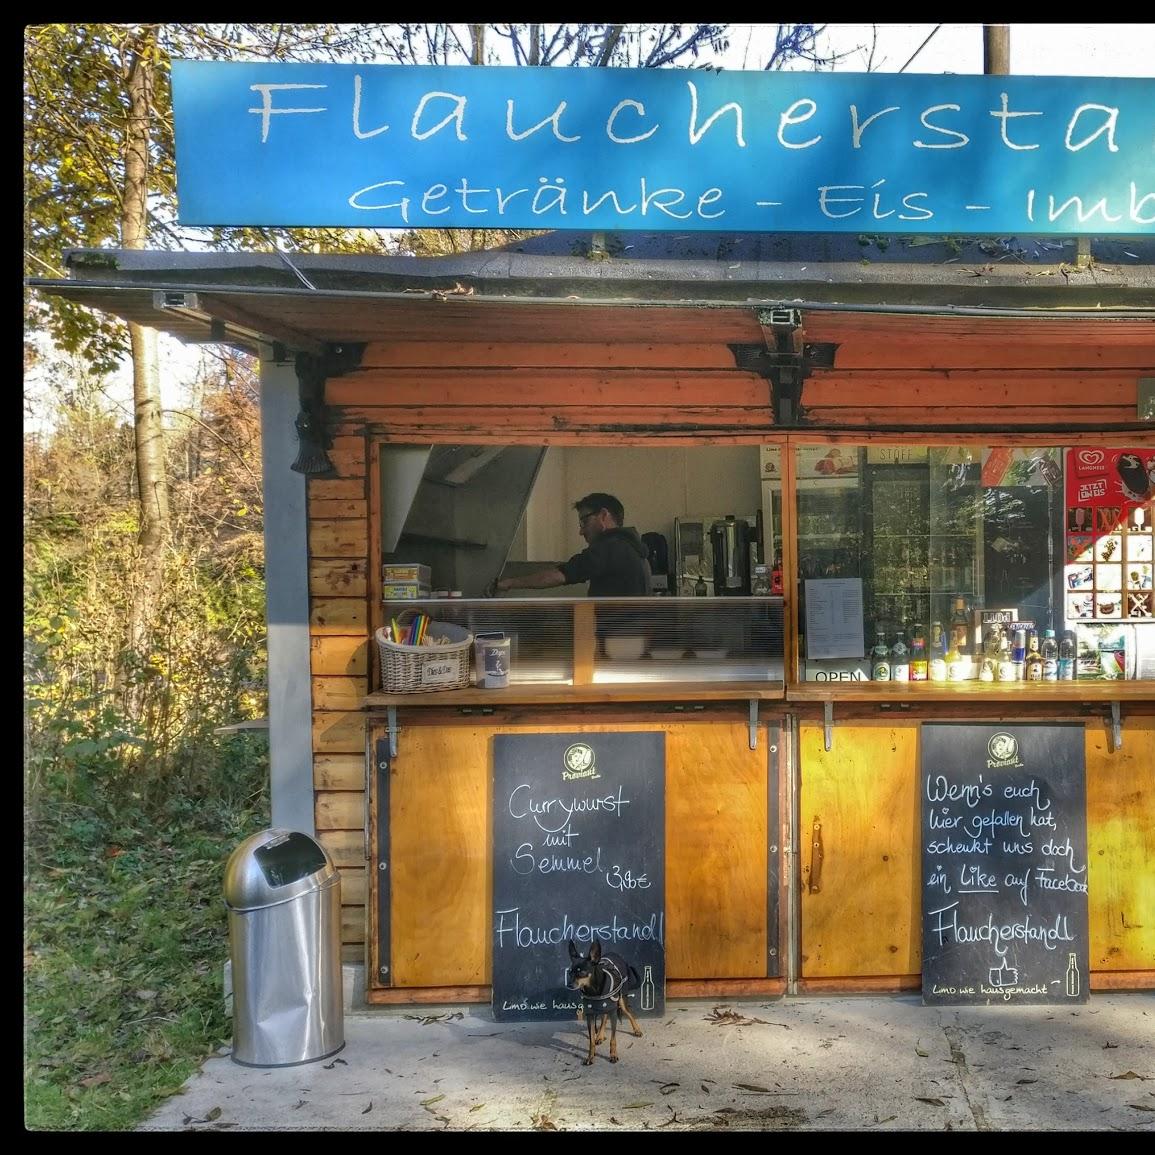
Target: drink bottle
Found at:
918, 662
1019, 653
1050, 651
1072, 979
1006, 666
900, 659
937, 653
1067, 657
880, 660
1033, 664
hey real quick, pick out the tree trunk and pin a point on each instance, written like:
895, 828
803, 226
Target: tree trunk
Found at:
151, 471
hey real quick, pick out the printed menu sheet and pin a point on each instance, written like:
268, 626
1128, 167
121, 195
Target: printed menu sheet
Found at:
834, 618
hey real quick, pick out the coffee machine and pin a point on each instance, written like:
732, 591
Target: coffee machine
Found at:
730, 542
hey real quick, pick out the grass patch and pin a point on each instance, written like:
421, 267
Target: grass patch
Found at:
126, 934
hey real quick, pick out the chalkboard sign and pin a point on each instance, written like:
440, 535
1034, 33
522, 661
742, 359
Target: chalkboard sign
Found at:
1004, 863
579, 824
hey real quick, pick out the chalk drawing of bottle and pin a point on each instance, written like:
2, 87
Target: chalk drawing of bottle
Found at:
647, 994
1072, 977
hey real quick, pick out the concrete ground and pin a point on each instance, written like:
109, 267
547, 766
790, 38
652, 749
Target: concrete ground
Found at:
804, 1064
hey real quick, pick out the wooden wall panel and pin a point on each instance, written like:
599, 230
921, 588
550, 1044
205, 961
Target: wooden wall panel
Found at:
336, 488
338, 733
440, 802
1121, 847
339, 655
339, 809
339, 772
338, 538
353, 886
716, 853
430, 388
352, 926
339, 693
865, 919
439, 805
338, 616
545, 354
345, 847
338, 507
347, 453
338, 577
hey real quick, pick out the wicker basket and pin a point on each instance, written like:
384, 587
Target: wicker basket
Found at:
419, 669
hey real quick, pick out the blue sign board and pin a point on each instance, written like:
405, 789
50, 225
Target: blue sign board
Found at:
390, 146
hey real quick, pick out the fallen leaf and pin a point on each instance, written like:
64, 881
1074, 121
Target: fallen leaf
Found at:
368, 1109
1110, 1046
543, 1123
669, 1088
753, 1087
705, 1088
1140, 1107
1020, 1082
728, 1017
616, 1122
920, 1052
1129, 1075
932, 1102
478, 1107
215, 1113
635, 1106
96, 1080
435, 1099
887, 1119
330, 1066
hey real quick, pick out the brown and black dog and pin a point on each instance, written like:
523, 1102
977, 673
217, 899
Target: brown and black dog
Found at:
604, 981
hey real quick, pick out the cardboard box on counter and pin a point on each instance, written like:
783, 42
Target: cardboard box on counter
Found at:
406, 571
404, 591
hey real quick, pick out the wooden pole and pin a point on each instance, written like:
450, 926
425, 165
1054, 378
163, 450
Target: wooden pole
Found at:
997, 49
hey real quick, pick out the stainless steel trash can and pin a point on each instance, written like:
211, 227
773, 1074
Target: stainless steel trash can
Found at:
283, 895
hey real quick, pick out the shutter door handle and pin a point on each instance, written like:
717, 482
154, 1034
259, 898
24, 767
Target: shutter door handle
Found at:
815, 883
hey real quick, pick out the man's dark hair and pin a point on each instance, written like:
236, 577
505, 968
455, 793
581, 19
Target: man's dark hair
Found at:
592, 502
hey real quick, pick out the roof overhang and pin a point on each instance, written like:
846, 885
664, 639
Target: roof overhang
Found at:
311, 302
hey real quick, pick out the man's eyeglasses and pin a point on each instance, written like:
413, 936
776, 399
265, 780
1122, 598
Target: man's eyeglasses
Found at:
584, 517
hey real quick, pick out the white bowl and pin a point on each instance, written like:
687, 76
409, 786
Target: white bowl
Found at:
625, 648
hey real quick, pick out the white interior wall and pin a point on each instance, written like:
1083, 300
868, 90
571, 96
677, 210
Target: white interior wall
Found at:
655, 486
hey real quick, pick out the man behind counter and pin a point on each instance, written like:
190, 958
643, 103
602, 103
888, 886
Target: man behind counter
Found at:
614, 561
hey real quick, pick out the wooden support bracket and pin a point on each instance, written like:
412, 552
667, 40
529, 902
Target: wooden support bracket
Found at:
1116, 728
828, 723
753, 723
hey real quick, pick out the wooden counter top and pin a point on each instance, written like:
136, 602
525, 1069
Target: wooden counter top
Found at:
553, 694
1087, 691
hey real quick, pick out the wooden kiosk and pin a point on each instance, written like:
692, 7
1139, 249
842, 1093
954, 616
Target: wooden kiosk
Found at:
791, 804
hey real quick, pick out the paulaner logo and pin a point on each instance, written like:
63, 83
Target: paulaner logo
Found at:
1003, 750
579, 763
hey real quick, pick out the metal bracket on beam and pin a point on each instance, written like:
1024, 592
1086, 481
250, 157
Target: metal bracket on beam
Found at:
391, 727
753, 723
827, 723
1116, 728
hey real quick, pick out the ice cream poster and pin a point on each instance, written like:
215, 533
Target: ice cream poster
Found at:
1110, 503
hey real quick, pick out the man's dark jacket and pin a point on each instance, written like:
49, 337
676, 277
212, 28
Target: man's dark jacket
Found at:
614, 564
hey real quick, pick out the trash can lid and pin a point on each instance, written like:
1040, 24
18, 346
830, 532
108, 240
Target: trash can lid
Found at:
274, 866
